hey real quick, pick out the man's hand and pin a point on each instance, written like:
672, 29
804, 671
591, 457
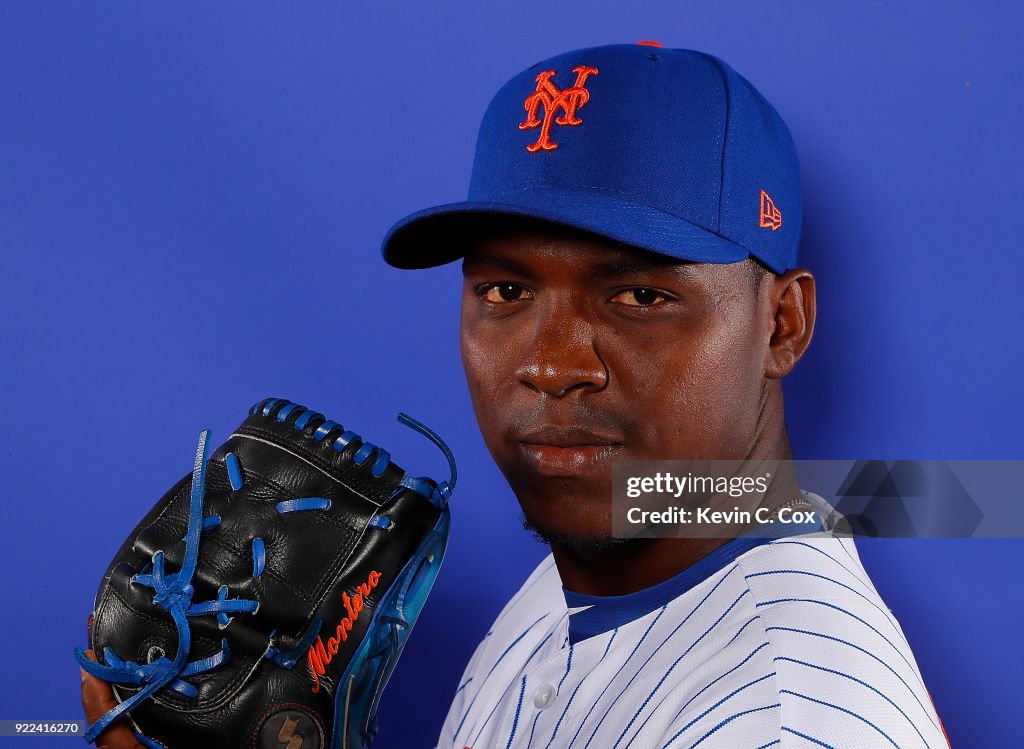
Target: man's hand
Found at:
97, 699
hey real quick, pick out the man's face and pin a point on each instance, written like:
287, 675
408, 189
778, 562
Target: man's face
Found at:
580, 352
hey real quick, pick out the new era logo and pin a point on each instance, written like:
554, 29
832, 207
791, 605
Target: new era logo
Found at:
771, 217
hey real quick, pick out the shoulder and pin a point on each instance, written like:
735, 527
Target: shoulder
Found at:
843, 665
529, 616
540, 594
533, 618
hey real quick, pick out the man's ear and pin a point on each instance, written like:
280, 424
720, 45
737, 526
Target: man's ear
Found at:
794, 308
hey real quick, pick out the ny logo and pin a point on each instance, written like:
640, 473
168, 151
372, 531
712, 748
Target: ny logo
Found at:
569, 100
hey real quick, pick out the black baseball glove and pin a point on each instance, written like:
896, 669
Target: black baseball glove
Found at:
265, 599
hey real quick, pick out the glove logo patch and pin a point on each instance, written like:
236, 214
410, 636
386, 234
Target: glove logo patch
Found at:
289, 727
288, 735
320, 655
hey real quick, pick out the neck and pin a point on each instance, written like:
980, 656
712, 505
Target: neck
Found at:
618, 569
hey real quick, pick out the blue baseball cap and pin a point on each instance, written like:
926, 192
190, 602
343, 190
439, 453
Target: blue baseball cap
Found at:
667, 150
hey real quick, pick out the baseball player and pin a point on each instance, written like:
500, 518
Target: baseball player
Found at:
631, 292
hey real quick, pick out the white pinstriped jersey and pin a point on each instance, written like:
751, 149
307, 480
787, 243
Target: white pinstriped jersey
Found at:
787, 645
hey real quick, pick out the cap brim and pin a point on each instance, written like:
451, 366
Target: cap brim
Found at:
439, 235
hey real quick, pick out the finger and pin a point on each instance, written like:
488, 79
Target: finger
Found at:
97, 699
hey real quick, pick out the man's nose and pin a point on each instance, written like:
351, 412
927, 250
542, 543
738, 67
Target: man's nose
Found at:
563, 357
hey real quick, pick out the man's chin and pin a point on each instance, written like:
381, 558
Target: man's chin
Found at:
577, 541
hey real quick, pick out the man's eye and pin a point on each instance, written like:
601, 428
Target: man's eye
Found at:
640, 297
504, 292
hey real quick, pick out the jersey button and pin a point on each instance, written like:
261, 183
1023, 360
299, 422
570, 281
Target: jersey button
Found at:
544, 696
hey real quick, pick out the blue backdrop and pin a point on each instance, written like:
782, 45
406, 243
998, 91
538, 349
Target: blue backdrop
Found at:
191, 201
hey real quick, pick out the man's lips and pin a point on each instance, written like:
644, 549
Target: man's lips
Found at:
566, 451
567, 436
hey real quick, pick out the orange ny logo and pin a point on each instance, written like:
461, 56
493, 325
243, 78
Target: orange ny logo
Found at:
569, 100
